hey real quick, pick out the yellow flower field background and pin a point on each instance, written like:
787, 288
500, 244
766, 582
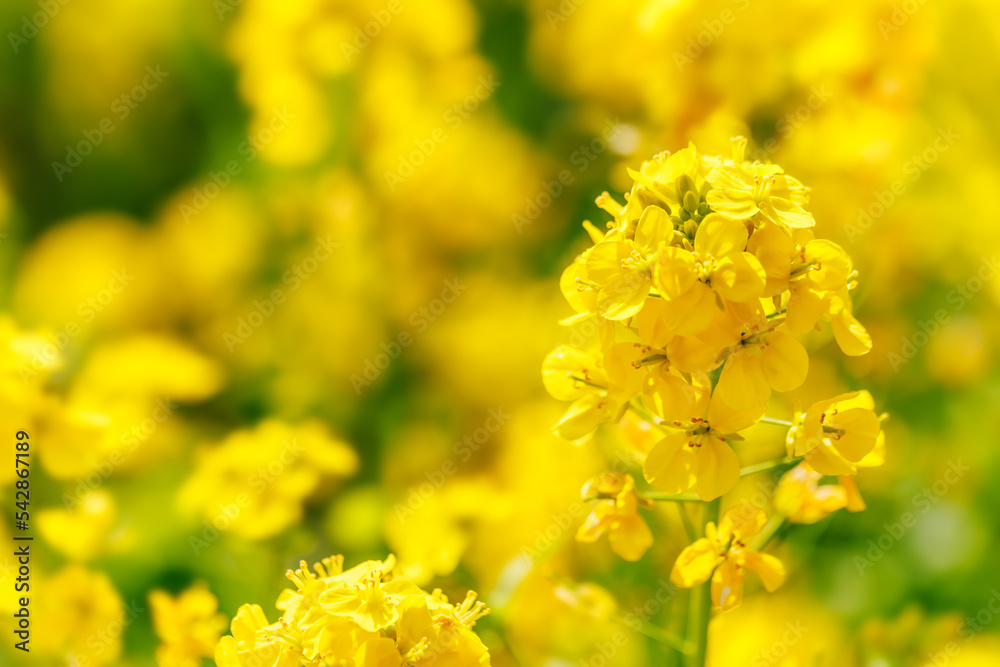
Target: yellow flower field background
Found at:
279, 278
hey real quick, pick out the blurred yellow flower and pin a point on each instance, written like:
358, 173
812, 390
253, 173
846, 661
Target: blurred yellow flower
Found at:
616, 512
84, 531
83, 616
256, 480
189, 626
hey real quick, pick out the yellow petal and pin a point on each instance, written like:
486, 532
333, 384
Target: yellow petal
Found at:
785, 362
672, 398
695, 564
670, 465
805, 307
674, 271
563, 365
719, 237
620, 363
770, 570
741, 521
717, 470
852, 337
831, 265
654, 323
826, 460
596, 523
691, 313
248, 620
623, 287
739, 277
787, 213
585, 415
581, 300
853, 500
860, 428
630, 537
774, 248
725, 419
727, 585
654, 227
875, 457
743, 383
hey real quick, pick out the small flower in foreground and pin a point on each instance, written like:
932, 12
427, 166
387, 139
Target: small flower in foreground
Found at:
723, 555
364, 617
616, 513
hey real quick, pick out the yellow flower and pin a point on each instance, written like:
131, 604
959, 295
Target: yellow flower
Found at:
364, 617
77, 605
257, 479
835, 435
694, 282
622, 269
85, 531
767, 357
699, 454
570, 374
615, 512
740, 192
188, 626
817, 276
800, 498
724, 555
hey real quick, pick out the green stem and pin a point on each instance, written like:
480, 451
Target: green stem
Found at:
769, 465
771, 420
686, 520
700, 609
657, 633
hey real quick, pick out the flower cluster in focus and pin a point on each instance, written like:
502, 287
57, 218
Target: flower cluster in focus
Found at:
701, 287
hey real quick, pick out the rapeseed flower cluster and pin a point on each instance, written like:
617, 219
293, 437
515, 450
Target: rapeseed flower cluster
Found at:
362, 617
701, 286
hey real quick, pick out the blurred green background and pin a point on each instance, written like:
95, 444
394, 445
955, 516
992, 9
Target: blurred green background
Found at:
229, 226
